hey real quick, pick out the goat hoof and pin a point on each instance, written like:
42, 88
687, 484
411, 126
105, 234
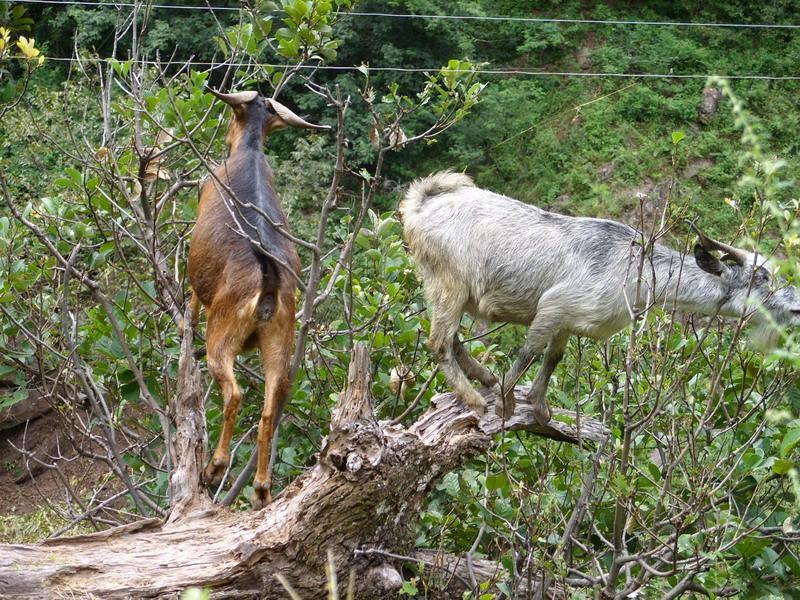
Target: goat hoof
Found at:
541, 413
214, 471
478, 409
475, 402
488, 380
261, 495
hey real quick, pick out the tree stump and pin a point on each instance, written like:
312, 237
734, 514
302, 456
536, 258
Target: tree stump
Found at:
189, 448
359, 504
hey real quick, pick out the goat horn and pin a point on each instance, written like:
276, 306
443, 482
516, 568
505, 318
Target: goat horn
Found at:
740, 256
237, 98
291, 119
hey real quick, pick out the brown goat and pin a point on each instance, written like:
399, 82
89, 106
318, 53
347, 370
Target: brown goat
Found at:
243, 271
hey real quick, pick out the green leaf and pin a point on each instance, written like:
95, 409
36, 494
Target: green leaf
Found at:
329, 54
793, 564
195, 593
65, 183
752, 459
409, 589
790, 440
374, 254
385, 227
750, 546
782, 466
449, 484
74, 174
497, 482
685, 545
290, 48
677, 136
9, 400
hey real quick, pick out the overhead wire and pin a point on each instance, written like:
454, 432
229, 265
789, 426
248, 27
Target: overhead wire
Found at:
517, 72
514, 72
501, 18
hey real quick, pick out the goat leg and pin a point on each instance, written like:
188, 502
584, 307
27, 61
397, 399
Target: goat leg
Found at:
526, 357
224, 339
232, 394
538, 393
275, 344
471, 367
542, 334
444, 327
194, 304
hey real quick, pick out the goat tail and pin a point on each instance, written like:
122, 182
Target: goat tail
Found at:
424, 188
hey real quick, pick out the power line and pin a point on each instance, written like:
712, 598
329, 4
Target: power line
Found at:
579, 21
448, 17
129, 5
520, 72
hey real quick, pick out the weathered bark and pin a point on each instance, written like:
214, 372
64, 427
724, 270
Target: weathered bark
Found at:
189, 448
360, 501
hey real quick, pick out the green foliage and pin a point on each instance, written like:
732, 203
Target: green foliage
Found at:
195, 594
35, 526
409, 588
181, 32
304, 35
104, 209
600, 147
19, 56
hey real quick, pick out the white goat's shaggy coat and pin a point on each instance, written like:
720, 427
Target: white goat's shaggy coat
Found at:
502, 260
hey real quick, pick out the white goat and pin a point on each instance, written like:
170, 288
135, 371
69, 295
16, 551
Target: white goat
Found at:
502, 260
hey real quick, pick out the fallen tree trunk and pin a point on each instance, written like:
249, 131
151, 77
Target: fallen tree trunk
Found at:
358, 504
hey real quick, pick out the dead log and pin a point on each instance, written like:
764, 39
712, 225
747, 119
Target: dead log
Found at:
189, 447
359, 503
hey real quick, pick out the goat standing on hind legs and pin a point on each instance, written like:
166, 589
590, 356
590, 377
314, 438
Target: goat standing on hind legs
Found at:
243, 270
501, 260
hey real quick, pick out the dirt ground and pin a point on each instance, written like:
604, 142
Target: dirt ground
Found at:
25, 485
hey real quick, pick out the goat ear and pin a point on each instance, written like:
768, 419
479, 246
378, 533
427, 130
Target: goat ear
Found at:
708, 262
286, 118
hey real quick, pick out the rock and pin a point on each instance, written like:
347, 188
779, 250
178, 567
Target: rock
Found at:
385, 579
604, 172
710, 104
584, 58
27, 409
694, 167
